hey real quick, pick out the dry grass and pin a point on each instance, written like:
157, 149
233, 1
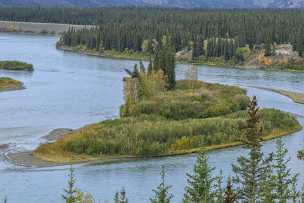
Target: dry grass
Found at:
7, 84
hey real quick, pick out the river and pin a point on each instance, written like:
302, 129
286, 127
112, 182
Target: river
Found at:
69, 90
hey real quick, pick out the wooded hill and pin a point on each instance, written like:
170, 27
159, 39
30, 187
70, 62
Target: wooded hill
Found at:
140, 29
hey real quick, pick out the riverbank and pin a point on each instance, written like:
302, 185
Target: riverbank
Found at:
136, 56
9, 84
213, 62
38, 28
29, 159
297, 97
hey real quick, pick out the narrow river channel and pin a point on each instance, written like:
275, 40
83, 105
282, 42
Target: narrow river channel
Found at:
68, 90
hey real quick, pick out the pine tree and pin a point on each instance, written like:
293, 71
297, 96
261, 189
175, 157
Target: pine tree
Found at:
70, 195
283, 178
253, 132
150, 66
268, 183
302, 194
250, 171
295, 194
230, 196
268, 49
164, 59
162, 194
142, 67
201, 184
219, 191
120, 197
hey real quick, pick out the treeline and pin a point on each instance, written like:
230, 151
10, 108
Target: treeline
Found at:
257, 178
222, 31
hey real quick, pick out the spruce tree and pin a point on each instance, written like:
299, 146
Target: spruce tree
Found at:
295, 194
121, 197
162, 194
283, 178
201, 184
250, 171
268, 183
219, 190
70, 195
268, 49
230, 196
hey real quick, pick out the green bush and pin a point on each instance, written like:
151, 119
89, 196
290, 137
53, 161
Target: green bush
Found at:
137, 136
16, 65
204, 101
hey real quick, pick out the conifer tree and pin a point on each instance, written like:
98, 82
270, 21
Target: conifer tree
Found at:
121, 197
162, 194
282, 174
201, 184
150, 66
70, 195
295, 194
219, 190
268, 183
230, 196
250, 171
268, 49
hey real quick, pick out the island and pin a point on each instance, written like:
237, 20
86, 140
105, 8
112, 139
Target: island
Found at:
8, 84
159, 121
16, 66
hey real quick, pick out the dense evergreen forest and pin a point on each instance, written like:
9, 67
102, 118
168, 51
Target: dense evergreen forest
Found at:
219, 32
214, 33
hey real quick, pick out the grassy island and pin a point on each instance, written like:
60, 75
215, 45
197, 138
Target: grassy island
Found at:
195, 116
162, 116
7, 84
16, 66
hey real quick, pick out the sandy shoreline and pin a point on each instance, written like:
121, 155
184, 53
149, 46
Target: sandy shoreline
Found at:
296, 97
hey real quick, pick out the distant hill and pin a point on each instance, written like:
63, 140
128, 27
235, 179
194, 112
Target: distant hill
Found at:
162, 3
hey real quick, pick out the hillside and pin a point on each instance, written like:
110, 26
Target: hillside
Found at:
161, 3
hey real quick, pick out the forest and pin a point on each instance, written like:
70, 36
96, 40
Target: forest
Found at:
233, 36
139, 29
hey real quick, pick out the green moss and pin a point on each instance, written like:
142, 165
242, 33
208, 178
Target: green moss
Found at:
9, 84
16, 66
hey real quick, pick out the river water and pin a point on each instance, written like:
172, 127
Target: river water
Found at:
68, 90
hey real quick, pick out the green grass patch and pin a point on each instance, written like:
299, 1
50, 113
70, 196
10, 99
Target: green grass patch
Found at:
9, 84
16, 66
192, 100
194, 117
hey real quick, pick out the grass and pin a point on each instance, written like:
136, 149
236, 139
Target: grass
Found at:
7, 84
127, 54
187, 120
15, 66
192, 100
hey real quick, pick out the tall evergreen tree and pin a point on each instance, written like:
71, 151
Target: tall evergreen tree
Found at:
230, 196
201, 184
282, 174
250, 171
162, 194
70, 195
121, 197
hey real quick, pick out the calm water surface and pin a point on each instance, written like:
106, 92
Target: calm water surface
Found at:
68, 90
